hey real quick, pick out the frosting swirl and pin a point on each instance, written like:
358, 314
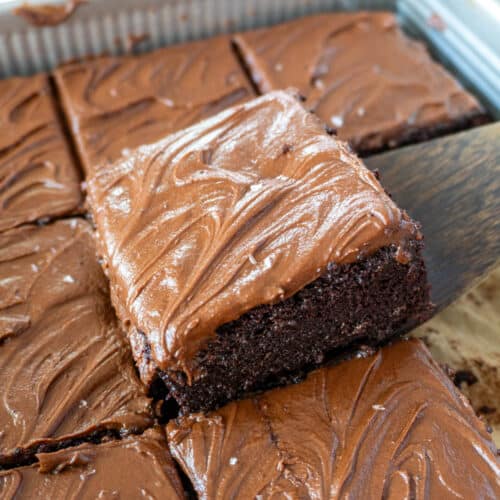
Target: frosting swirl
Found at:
240, 210
115, 104
66, 367
390, 425
135, 467
360, 74
38, 177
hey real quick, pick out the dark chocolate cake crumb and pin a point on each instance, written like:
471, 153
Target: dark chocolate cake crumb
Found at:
346, 302
464, 377
486, 410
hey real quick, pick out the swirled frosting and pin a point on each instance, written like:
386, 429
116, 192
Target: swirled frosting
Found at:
38, 178
115, 104
360, 74
66, 369
135, 467
243, 209
391, 425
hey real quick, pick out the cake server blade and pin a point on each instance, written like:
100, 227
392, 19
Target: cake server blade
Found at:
452, 186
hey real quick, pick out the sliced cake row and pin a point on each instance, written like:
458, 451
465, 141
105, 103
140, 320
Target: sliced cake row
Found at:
365, 428
66, 369
357, 71
388, 422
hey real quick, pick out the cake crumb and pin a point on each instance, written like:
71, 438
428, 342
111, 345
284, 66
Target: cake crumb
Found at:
464, 377
133, 41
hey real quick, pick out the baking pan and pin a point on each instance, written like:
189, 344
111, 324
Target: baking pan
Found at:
463, 34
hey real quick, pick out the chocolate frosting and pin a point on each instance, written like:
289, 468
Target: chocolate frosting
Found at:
115, 104
48, 14
136, 467
359, 73
391, 425
66, 368
38, 178
240, 210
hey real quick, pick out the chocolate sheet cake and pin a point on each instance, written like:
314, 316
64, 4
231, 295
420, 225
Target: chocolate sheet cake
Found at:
114, 104
135, 467
38, 176
362, 76
388, 425
66, 370
247, 247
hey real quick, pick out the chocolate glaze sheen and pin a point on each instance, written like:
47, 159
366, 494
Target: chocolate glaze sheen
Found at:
135, 467
115, 104
66, 368
210, 222
390, 425
38, 178
360, 74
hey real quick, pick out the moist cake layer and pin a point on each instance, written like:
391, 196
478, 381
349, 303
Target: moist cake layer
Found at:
66, 368
115, 104
387, 425
38, 176
135, 467
241, 210
362, 76
360, 303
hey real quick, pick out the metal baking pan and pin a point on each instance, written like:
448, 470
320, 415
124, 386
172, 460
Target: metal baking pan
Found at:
462, 34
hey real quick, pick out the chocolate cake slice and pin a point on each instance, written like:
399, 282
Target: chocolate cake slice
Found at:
246, 248
38, 176
378, 88
387, 425
67, 374
114, 104
135, 467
